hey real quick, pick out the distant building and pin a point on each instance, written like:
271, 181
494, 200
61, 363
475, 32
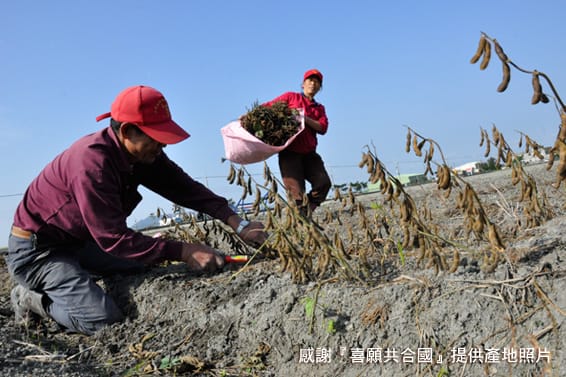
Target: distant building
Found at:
530, 158
170, 220
405, 179
469, 168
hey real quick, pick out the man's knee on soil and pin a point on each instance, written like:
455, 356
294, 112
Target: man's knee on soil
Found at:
90, 326
88, 315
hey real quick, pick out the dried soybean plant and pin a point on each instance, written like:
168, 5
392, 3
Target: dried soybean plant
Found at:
273, 125
375, 230
468, 202
484, 52
536, 208
210, 232
559, 148
416, 233
304, 249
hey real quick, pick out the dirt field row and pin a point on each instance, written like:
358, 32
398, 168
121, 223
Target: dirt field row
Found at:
405, 321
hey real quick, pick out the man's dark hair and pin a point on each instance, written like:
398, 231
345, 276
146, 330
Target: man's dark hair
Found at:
116, 126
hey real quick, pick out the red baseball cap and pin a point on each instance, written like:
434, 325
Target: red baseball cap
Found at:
146, 108
313, 72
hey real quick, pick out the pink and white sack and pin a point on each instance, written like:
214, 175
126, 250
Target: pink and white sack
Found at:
241, 147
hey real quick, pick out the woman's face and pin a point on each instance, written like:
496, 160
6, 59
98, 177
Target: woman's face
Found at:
311, 86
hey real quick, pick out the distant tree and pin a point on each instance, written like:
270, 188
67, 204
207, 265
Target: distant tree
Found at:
341, 187
489, 165
358, 186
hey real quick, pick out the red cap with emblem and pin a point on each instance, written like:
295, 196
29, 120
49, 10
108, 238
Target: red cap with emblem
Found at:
313, 72
147, 108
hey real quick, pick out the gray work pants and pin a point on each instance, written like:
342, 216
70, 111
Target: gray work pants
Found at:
63, 274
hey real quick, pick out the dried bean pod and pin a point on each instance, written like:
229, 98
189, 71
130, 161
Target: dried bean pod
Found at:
494, 238
428, 169
442, 262
508, 159
514, 176
416, 148
537, 89
544, 98
562, 131
499, 51
487, 146
249, 186
439, 176
479, 51
444, 183
371, 165
506, 77
477, 226
430, 151
486, 56
232, 174
420, 146
550, 159
364, 160
455, 262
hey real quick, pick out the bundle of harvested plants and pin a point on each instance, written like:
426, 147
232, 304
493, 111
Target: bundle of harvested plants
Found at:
273, 125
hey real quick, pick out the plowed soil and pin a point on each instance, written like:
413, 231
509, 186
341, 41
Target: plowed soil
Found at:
408, 321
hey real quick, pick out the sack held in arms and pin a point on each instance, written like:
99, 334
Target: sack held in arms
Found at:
241, 147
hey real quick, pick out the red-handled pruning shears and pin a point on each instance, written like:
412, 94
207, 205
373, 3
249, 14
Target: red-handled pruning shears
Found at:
236, 258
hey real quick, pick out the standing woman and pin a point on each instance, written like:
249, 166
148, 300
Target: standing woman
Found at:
299, 162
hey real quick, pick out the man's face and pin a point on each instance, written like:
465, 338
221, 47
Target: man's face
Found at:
141, 147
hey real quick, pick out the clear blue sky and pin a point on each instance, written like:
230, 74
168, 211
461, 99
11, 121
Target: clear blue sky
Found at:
385, 65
